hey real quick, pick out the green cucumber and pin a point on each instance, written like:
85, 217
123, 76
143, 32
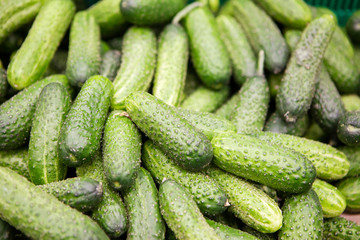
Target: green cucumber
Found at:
350, 188
40, 215
227, 109
121, 150
110, 64
352, 27
84, 49
142, 203
319, 11
16, 114
277, 124
172, 62
332, 200
179, 140
138, 64
353, 156
4, 85
212, 4
35, 54
259, 235
315, 133
357, 57
208, 52
81, 132
339, 228
7, 232
330, 163
348, 130
16, 160
351, 102
210, 199
104, 48
181, 213
303, 217
229, 233
226, 9
292, 38
254, 207
274, 84
256, 160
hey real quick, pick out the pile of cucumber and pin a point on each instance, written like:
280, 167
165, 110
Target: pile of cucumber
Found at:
162, 119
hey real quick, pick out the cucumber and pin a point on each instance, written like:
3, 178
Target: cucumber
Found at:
348, 130
357, 57
138, 64
16, 114
40, 215
110, 64
292, 38
254, 207
142, 203
3, 85
83, 194
351, 102
121, 150
350, 188
150, 13
319, 11
242, 56
230, 233
256, 160
353, 156
7, 232
227, 109
333, 202
35, 54
315, 133
204, 99
276, 124
274, 84
330, 163
16, 160
104, 48
109, 17
269, 191
339, 228
81, 131
84, 49
259, 235
226, 218
182, 143
181, 213
303, 217
192, 83
208, 53
263, 34
298, 85
352, 27
172, 62
210, 198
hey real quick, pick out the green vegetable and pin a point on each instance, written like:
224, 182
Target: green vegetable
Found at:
276, 124
110, 64
259, 235
16, 160
353, 156
274, 84
351, 102
348, 130
339, 228
4, 85
350, 188
352, 27
230, 233
227, 109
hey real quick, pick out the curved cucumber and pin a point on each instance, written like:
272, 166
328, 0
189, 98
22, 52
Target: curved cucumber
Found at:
110, 64
339, 228
277, 124
16, 160
229, 233
353, 156
348, 130
350, 188
351, 102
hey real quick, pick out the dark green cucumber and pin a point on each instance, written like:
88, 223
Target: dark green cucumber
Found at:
179, 140
227, 109
7, 232
303, 217
4, 85
339, 228
242, 56
172, 62
277, 124
137, 66
83, 194
352, 27
274, 84
35, 54
81, 132
210, 199
208, 52
333, 202
84, 49
254, 207
299, 82
110, 64
351, 102
259, 235
353, 156
263, 34
204, 99
16, 114
116, 43
40, 215
229, 233
182, 215
330, 163
350, 189
142, 203
348, 130
121, 150
256, 160
16, 160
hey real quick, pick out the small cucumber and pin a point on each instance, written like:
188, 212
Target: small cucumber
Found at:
142, 203
138, 64
121, 150
351, 102
7, 232
110, 64
210, 199
4, 85
16, 160
35, 54
348, 130
227, 109
256, 160
81, 132
254, 207
353, 156
179, 140
274, 84
350, 188
229, 233
339, 228
277, 124
181, 213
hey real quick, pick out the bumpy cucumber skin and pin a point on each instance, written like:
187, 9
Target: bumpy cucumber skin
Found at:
250, 112
137, 66
4, 85
204, 99
277, 124
353, 156
181, 213
16, 114
332, 201
179, 140
208, 53
16, 160
256, 160
121, 150
210, 199
227, 109
229, 233
297, 87
330, 163
6, 231
40, 215
339, 228
242, 56
150, 13
110, 64
35, 54
84, 49
351, 102
142, 203
263, 34
350, 188
303, 217
83, 194
348, 130
254, 207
